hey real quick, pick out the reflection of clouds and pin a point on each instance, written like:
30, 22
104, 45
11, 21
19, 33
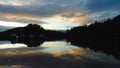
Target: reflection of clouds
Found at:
57, 46
20, 51
74, 54
14, 66
55, 55
81, 53
70, 54
4, 46
7, 44
9, 53
34, 58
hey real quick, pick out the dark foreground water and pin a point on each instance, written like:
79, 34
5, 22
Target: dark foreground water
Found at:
54, 54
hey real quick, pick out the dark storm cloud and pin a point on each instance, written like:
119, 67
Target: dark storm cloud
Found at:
102, 5
46, 10
101, 9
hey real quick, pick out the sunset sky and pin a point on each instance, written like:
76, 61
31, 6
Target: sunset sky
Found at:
56, 14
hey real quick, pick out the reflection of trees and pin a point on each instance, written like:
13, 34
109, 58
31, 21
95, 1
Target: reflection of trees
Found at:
29, 43
31, 35
100, 35
33, 43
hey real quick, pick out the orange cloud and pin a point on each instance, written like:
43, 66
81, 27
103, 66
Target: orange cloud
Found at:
74, 54
80, 20
66, 16
72, 17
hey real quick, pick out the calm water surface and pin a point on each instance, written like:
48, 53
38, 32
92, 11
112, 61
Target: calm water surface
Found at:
59, 49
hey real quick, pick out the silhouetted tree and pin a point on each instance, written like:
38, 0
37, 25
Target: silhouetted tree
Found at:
103, 35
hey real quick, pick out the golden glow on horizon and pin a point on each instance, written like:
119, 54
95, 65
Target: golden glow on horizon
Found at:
52, 26
3, 3
12, 24
13, 3
56, 22
69, 16
18, 4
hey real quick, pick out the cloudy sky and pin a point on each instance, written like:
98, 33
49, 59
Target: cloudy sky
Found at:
56, 14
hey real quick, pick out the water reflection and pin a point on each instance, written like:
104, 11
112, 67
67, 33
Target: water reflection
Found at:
7, 44
56, 48
51, 47
31, 42
50, 52
111, 50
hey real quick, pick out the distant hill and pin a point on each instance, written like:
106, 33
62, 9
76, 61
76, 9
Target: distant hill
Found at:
32, 29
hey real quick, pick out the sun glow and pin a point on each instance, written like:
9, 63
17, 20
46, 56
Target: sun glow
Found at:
58, 24
12, 24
